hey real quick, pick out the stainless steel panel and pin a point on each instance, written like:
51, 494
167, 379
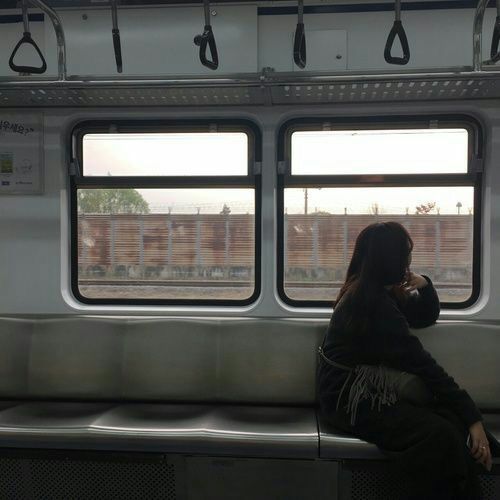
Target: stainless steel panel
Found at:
252, 89
389, 90
15, 347
50, 425
469, 352
268, 361
48, 417
200, 429
136, 96
261, 479
160, 41
492, 422
76, 358
170, 360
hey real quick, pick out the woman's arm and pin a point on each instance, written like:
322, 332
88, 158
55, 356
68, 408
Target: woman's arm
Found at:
421, 308
402, 350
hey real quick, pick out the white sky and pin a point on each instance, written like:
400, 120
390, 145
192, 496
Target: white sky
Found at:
325, 152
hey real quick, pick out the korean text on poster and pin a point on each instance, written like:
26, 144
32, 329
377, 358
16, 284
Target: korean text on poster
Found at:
21, 153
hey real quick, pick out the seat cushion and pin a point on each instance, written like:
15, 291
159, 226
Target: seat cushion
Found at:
168, 428
335, 444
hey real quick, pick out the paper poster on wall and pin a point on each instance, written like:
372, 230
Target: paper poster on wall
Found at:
21, 153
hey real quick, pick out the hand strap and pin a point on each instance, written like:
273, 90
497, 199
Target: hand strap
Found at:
397, 30
26, 39
207, 41
299, 41
117, 45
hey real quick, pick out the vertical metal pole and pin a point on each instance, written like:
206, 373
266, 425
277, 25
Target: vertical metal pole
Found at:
477, 56
61, 41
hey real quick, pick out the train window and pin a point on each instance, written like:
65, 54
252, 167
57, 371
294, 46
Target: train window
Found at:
165, 154
338, 177
166, 213
387, 150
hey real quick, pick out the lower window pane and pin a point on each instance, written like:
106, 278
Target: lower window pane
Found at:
166, 244
321, 226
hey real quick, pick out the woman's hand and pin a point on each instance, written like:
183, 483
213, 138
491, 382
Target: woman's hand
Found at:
479, 446
413, 281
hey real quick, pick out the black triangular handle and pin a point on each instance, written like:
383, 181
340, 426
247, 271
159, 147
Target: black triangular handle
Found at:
118, 50
494, 52
204, 41
27, 69
299, 46
397, 31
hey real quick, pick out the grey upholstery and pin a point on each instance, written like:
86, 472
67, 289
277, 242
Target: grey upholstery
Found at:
207, 429
181, 385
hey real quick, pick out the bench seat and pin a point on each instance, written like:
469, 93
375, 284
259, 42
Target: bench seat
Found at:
337, 445
230, 430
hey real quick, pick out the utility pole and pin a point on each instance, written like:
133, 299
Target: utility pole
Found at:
305, 200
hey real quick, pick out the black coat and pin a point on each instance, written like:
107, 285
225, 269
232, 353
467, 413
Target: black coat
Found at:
388, 341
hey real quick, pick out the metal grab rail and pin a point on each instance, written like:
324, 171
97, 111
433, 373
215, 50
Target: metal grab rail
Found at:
27, 40
477, 35
399, 31
495, 39
299, 41
116, 37
207, 40
61, 41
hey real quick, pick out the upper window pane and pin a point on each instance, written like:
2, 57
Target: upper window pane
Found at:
165, 154
365, 152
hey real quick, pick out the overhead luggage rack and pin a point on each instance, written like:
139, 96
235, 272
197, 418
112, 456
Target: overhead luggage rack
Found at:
267, 88
481, 80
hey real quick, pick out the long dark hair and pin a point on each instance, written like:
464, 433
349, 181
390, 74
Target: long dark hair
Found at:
381, 257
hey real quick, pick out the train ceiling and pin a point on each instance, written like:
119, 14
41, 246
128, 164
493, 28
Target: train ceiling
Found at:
265, 88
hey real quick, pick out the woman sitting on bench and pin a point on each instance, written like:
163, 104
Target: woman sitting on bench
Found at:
436, 440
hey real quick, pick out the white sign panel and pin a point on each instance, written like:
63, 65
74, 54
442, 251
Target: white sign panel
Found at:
21, 153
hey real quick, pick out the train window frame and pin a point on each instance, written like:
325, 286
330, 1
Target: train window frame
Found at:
252, 180
473, 178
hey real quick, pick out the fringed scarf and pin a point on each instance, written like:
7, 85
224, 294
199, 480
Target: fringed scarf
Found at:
373, 382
